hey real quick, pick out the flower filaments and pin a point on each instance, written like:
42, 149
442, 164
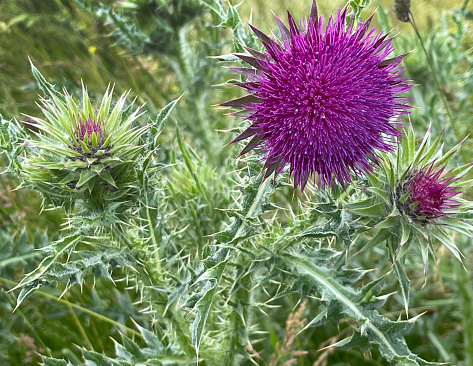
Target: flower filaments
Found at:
90, 132
83, 153
324, 100
426, 194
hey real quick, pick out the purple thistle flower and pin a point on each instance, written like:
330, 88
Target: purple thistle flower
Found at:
92, 125
427, 194
325, 100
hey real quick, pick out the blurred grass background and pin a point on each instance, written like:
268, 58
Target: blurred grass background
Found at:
69, 43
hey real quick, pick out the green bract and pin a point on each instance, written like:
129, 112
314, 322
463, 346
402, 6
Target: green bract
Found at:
415, 198
83, 153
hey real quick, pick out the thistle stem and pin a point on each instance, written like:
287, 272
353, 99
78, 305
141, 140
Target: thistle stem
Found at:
152, 235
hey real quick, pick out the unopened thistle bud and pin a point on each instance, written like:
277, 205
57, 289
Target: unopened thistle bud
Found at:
426, 194
84, 154
402, 9
418, 199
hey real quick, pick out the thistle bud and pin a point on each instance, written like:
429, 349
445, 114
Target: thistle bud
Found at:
417, 199
426, 194
84, 154
402, 9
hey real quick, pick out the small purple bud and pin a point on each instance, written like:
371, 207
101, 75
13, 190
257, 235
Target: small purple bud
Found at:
402, 9
429, 194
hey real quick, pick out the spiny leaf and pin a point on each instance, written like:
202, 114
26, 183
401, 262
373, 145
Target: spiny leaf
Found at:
54, 251
162, 116
47, 88
388, 335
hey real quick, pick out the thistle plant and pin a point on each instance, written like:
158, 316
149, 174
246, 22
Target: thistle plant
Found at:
325, 100
196, 260
94, 163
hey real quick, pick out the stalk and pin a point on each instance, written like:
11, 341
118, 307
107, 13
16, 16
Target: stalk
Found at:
432, 70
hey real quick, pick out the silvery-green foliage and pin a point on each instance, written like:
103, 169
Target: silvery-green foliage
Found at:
129, 352
147, 27
11, 137
217, 258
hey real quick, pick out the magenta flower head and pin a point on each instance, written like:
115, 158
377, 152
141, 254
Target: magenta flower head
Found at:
323, 99
427, 193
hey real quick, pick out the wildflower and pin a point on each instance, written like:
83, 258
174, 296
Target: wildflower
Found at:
324, 100
83, 153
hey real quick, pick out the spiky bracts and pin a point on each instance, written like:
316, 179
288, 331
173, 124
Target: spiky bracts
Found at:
83, 154
426, 193
417, 198
324, 100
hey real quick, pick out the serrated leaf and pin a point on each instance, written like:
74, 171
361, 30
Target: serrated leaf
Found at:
388, 335
55, 250
355, 340
131, 347
47, 88
152, 341
163, 115
371, 289
256, 199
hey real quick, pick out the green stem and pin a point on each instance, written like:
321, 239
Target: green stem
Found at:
80, 327
152, 233
28, 323
429, 61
